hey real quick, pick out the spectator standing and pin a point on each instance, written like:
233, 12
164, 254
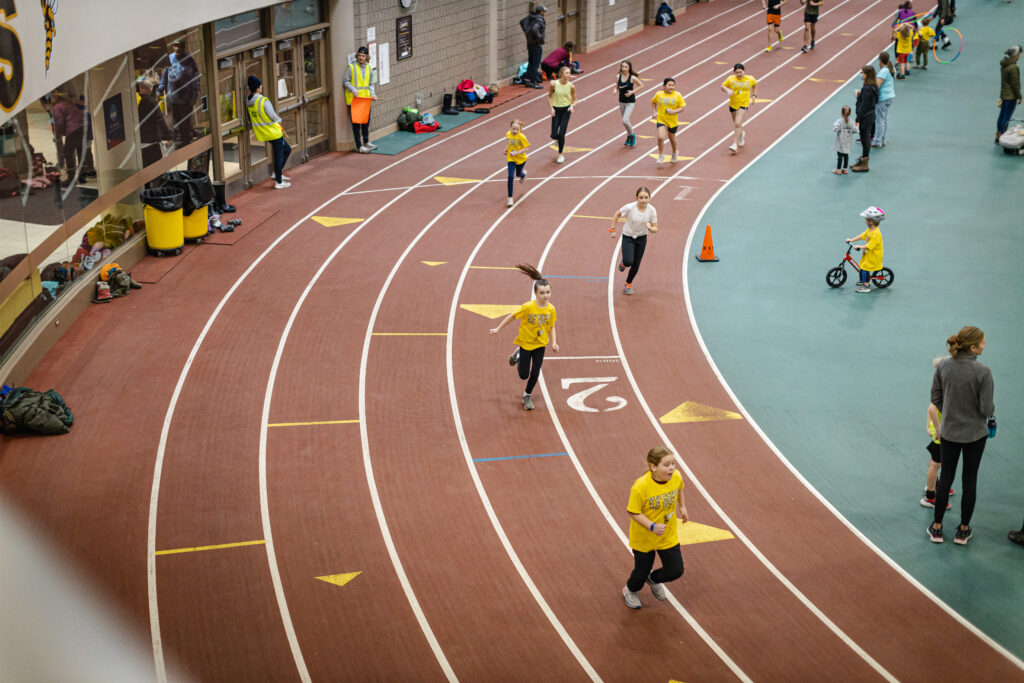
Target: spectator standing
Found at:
359, 83
1009, 91
180, 84
886, 95
535, 28
924, 44
69, 123
867, 97
811, 10
266, 126
152, 127
844, 130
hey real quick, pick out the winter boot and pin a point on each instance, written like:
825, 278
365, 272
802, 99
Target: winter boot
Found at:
861, 166
219, 202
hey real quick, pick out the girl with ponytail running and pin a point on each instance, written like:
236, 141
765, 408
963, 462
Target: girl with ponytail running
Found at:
536, 324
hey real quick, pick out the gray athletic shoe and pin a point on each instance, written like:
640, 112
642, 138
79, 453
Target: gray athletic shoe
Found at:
527, 402
632, 599
657, 588
514, 358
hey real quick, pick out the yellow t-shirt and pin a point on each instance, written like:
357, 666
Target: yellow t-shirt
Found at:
534, 325
666, 101
657, 502
904, 46
926, 33
515, 143
931, 428
740, 90
874, 250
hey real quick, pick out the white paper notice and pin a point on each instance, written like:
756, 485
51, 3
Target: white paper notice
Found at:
373, 54
384, 68
371, 34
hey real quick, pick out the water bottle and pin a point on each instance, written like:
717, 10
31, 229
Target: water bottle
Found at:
991, 428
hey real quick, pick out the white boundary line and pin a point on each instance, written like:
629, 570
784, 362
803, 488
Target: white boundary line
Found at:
160, 669
764, 437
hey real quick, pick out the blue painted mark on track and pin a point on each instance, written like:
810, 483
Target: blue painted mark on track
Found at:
519, 457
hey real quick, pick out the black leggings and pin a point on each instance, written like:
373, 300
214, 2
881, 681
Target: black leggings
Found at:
950, 451
559, 125
843, 161
633, 254
867, 131
671, 566
529, 366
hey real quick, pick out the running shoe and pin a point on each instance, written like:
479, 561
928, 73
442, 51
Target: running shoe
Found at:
661, 161
509, 202
628, 288
527, 402
846, 171
812, 44
658, 589
560, 159
930, 502
1016, 537
622, 266
862, 289
632, 599
626, 143
282, 185
803, 49
363, 149
743, 137
963, 535
732, 148
522, 178
675, 158
514, 358
780, 37
632, 140
768, 49
370, 146
837, 171
935, 535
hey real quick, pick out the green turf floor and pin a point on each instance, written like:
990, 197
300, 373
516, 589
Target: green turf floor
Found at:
400, 140
840, 381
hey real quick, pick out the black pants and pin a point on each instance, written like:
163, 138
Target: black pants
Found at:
534, 53
950, 451
529, 366
867, 131
559, 126
552, 71
843, 160
671, 567
73, 142
633, 254
181, 115
151, 153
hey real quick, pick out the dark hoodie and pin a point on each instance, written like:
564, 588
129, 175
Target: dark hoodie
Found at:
1010, 89
866, 101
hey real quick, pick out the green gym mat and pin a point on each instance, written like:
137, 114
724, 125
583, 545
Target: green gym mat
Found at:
399, 141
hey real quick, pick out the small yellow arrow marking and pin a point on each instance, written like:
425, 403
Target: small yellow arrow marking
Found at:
453, 181
760, 100
655, 156
491, 311
721, 62
646, 137
339, 579
571, 149
800, 67
306, 424
434, 263
691, 411
603, 218
175, 551
330, 222
846, 34
787, 47
827, 80
692, 532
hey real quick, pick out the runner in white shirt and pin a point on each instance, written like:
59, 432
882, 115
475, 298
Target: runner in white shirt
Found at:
639, 218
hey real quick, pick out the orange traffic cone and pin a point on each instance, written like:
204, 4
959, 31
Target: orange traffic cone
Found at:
707, 251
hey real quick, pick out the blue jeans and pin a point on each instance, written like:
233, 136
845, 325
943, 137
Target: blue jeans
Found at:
514, 170
881, 120
1005, 114
280, 149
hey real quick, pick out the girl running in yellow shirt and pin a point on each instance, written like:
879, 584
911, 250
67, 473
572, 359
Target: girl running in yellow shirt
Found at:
655, 501
536, 324
742, 90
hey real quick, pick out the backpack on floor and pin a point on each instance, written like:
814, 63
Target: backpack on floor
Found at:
1012, 141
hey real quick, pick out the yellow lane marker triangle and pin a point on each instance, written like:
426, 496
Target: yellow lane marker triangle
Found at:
691, 411
571, 149
692, 532
331, 222
434, 263
668, 157
339, 579
491, 311
453, 181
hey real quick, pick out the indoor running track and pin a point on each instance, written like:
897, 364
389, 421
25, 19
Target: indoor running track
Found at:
315, 401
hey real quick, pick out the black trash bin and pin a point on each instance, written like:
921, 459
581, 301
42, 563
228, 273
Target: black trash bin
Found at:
199, 195
165, 232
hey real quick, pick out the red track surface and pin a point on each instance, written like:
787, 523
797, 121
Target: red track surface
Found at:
288, 346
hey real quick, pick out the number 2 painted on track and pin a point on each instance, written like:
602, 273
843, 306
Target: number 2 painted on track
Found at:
576, 401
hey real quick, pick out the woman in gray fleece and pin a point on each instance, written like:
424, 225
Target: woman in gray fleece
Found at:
962, 391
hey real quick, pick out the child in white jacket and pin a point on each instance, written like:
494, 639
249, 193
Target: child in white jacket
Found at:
844, 129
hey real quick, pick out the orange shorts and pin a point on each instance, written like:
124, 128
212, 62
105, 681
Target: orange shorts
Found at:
775, 19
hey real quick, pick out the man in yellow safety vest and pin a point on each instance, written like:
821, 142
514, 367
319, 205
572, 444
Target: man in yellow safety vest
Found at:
359, 83
266, 126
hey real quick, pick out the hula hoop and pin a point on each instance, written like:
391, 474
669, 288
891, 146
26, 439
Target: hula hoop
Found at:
936, 44
913, 19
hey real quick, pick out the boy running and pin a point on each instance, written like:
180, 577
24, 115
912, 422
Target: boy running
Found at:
774, 9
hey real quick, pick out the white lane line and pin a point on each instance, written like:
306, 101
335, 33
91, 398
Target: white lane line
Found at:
546, 358
159, 664
764, 437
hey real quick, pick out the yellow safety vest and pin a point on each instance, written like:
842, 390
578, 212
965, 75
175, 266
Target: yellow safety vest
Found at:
262, 126
360, 78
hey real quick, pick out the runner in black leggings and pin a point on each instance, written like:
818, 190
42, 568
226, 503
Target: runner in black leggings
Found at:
640, 218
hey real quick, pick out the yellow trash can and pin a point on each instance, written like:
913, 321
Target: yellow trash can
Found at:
165, 230
197, 224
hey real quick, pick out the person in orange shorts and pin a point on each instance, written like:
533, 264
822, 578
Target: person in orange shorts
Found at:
774, 9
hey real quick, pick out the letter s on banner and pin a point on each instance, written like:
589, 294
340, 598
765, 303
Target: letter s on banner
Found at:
12, 62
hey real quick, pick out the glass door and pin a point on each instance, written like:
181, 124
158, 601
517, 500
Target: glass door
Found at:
256, 153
